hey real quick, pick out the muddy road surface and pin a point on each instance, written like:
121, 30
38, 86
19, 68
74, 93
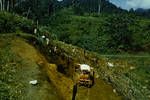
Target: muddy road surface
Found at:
99, 91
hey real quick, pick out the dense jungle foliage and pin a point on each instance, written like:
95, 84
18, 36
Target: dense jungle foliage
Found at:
107, 29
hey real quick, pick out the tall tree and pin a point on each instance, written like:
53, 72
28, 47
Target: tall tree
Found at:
99, 6
7, 5
1, 4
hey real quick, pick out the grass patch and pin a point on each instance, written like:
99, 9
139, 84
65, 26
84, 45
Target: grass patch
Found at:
10, 87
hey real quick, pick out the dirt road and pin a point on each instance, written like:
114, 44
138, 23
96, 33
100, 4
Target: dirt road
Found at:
30, 70
100, 91
45, 90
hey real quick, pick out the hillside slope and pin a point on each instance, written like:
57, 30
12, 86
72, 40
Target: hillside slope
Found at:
19, 65
105, 33
29, 64
126, 75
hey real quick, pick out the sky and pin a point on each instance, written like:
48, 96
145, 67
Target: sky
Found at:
59, 0
128, 4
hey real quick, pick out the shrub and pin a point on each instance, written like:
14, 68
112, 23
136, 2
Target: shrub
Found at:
10, 23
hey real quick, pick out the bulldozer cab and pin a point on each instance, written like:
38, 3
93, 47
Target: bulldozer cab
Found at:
83, 68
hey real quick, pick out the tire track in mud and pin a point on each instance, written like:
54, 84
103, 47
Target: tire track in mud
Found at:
99, 91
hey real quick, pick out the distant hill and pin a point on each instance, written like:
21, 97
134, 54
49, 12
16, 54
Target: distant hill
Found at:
143, 12
93, 5
104, 33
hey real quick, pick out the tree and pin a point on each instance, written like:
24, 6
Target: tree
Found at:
99, 6
7, 5
1, 4
117, 29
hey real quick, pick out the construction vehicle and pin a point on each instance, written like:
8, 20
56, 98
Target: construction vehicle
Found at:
85, 75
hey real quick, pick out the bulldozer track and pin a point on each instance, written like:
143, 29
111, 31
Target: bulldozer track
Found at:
88, 91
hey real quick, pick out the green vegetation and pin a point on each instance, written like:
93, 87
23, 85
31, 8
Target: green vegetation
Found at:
10, 23
103, 33
110, 31
137, 77
10, 88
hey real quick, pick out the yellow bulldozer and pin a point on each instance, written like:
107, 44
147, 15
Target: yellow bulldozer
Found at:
85, 75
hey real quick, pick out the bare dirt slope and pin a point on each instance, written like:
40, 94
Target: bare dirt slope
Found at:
44, 90
42, 71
